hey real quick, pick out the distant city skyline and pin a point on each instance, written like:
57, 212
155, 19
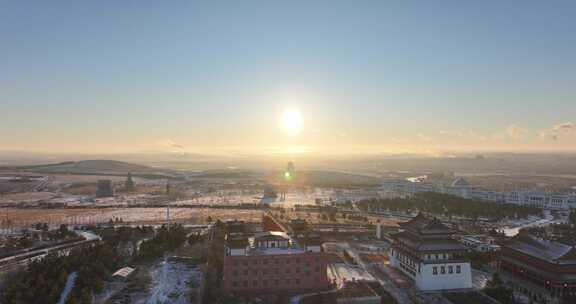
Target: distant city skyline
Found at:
287, 78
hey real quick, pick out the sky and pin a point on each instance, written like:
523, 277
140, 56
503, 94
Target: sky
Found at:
115, 76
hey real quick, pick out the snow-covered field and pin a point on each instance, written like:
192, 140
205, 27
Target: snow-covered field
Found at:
172, 282
27, 217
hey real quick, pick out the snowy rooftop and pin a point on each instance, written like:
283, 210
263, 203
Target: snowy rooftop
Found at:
543, 249
123, 272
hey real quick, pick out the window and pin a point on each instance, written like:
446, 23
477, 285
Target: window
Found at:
276, 261
245, 272
265, 262
255, 262
255, 283
235, 263
245, 283
443, 270
235, 284
297, 281
287, 261
297, 260
297, 270
235, 272
245, 263
317, 269
287, 281
434, 270
276, 271
276, 282
450, 269
265, 283
436, 256
255, 272
458, 269
265, 271
287, 270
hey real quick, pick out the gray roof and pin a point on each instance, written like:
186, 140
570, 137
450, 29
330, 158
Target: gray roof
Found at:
414, 242
542, 249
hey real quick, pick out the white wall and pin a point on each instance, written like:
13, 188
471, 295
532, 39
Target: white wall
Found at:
313, 248
427, 281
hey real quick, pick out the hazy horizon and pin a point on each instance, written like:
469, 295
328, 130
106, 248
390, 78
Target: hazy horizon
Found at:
264, 78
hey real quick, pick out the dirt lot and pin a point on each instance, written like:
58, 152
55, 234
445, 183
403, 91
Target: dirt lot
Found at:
25, 217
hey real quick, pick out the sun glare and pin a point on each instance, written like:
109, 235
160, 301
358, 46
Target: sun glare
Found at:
292, 122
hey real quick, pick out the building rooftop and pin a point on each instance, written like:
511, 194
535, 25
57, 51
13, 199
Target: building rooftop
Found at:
416, 243
550, 251
123, 272
428, 234
273, 235
426, 225
274, 251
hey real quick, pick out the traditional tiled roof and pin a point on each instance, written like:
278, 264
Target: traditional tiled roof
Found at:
425, 225
550, 251
413, 241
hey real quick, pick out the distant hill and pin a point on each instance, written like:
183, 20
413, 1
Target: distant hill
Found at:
97, 167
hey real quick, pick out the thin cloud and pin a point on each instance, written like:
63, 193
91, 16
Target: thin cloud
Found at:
559, 130
515, 132
169, 143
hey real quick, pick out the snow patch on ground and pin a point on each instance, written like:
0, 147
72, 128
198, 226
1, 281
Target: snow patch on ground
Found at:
172, 282
68, 287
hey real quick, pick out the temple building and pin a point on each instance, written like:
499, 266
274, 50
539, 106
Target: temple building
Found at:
545, 268
426, 252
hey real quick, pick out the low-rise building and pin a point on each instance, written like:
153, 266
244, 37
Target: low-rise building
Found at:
273, 262
480, 243
461, 188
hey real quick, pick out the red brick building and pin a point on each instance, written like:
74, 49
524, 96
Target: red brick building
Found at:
272, 262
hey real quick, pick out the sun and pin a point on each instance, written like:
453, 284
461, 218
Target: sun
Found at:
292, 122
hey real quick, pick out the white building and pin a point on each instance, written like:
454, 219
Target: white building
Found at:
461, 188
480, 243
427, 253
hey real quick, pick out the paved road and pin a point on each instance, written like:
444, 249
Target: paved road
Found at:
12, 262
